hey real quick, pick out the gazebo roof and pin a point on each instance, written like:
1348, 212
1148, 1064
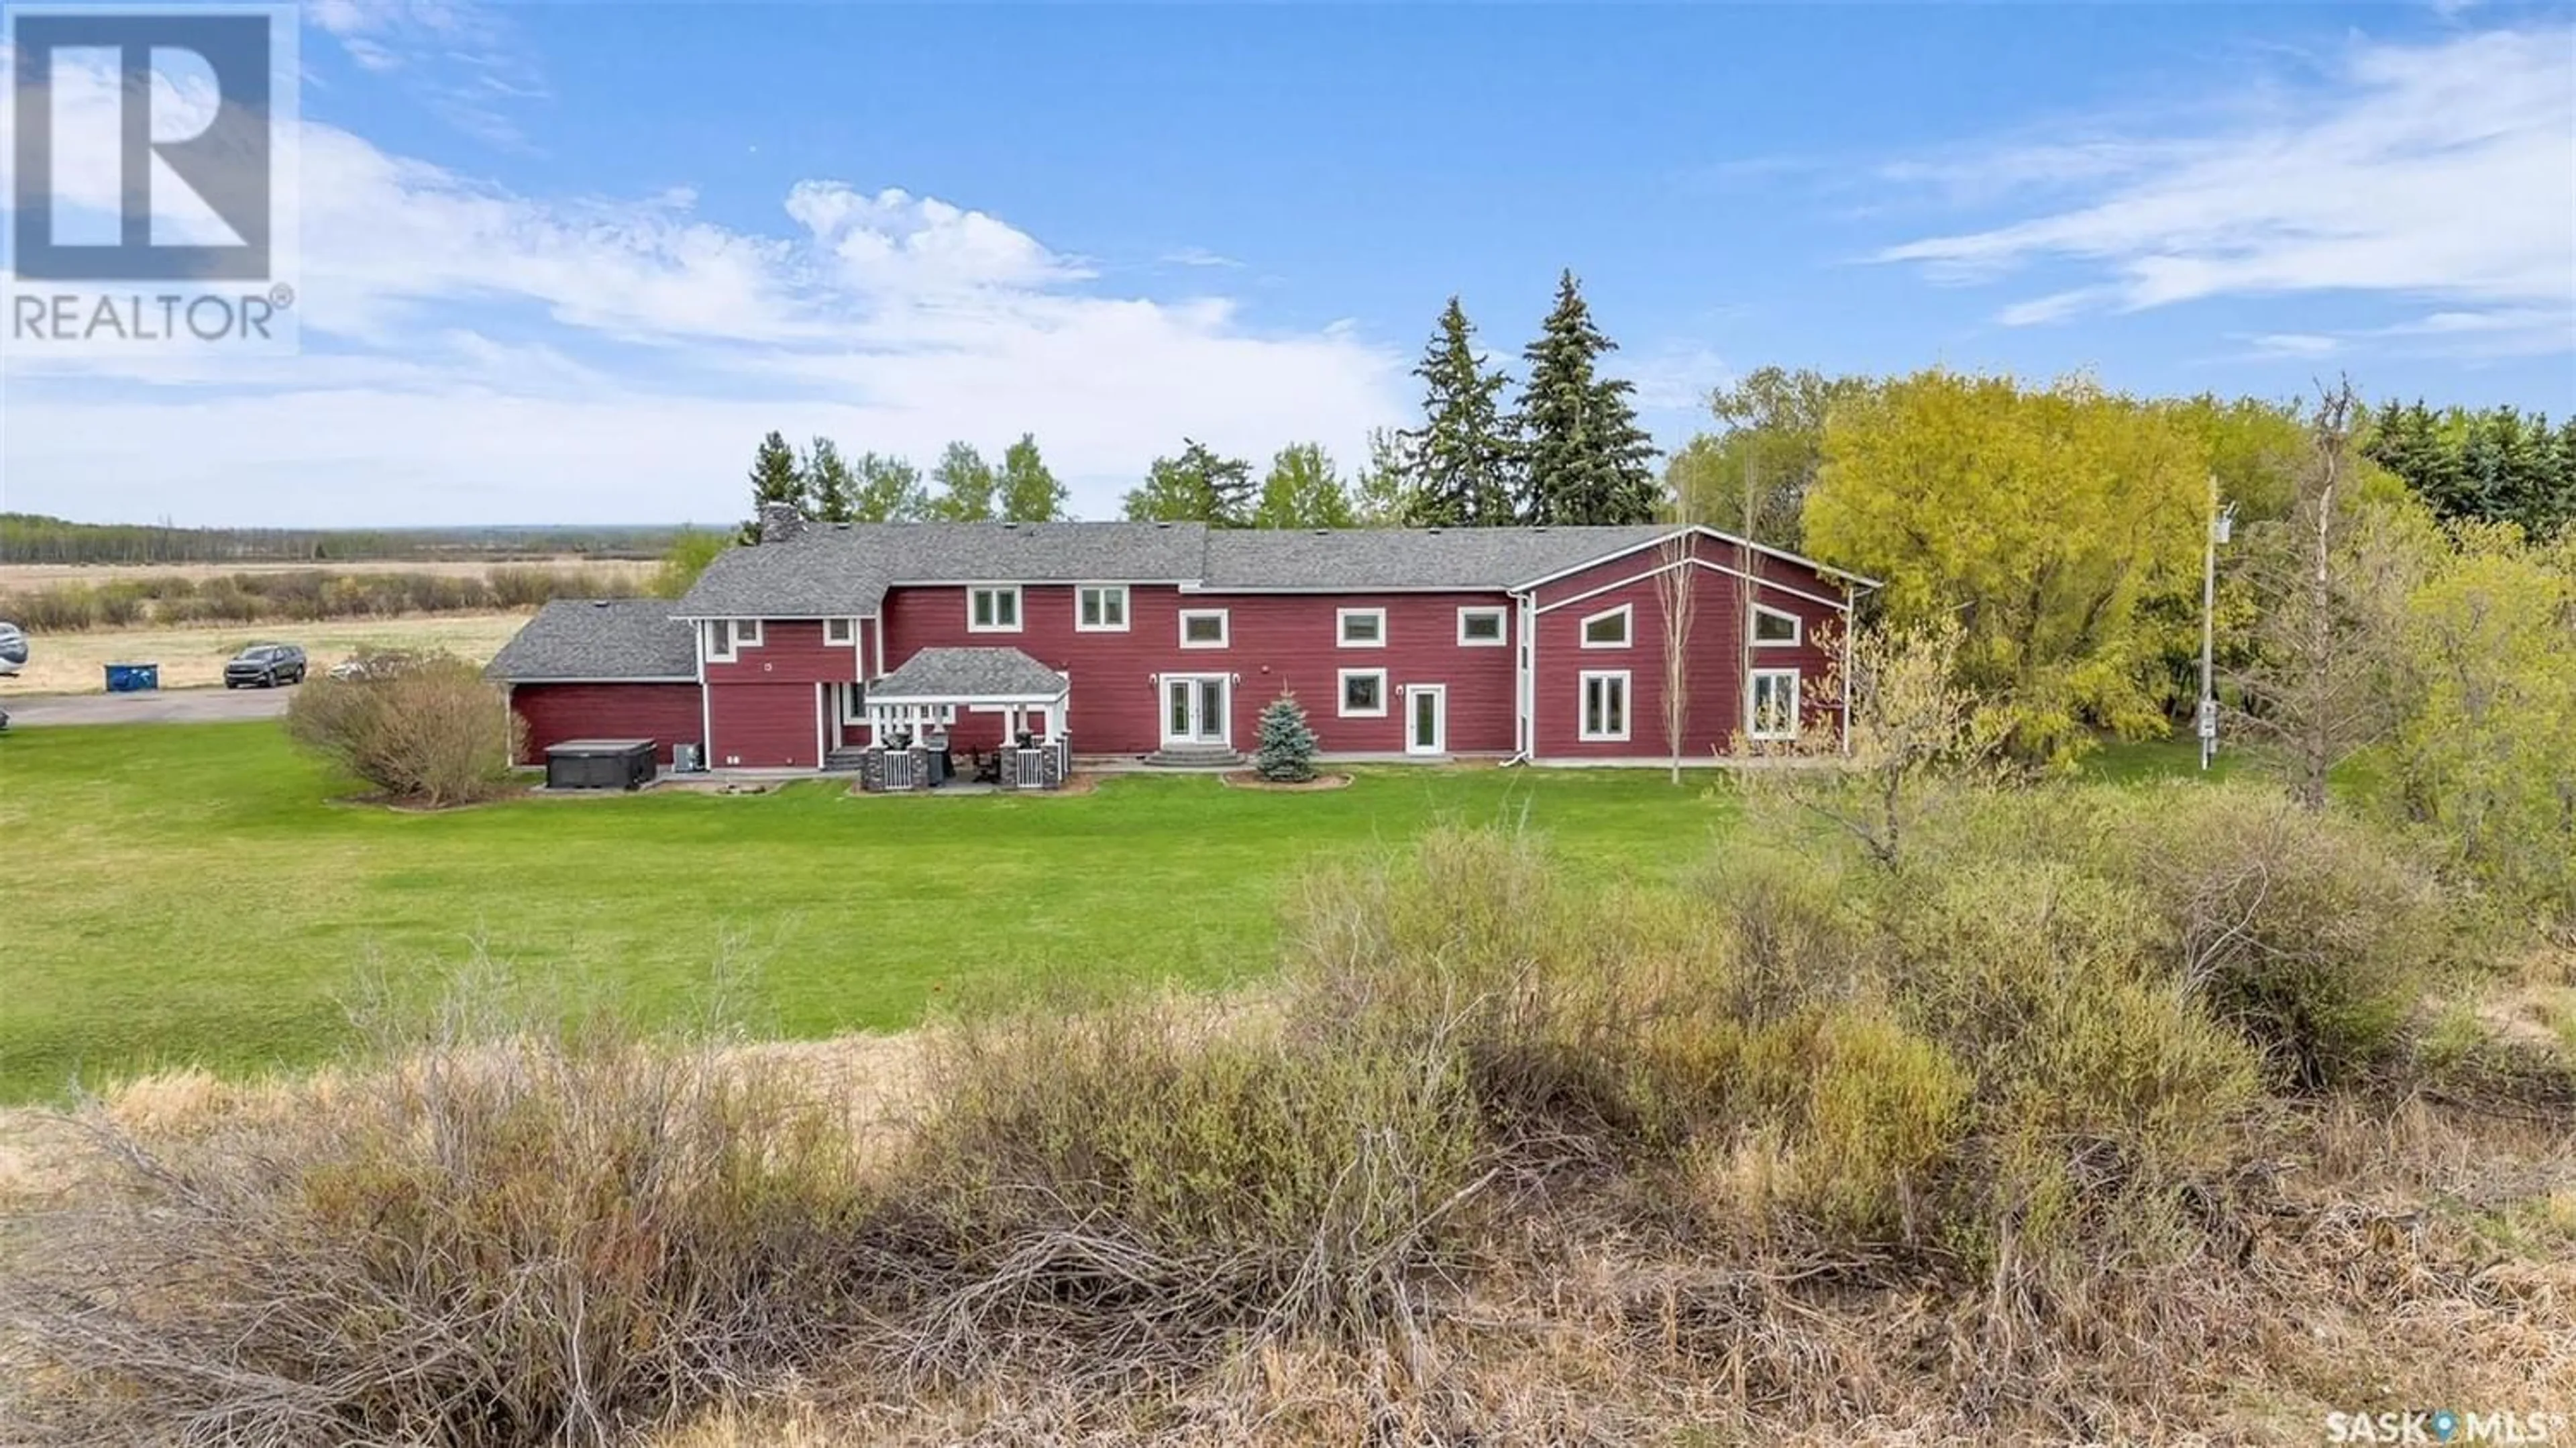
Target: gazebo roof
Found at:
955, 676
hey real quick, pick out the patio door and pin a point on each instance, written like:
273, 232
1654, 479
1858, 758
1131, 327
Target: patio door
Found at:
1194, 709
1426, 719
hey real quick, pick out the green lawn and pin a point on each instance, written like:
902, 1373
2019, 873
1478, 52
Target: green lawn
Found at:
190, 894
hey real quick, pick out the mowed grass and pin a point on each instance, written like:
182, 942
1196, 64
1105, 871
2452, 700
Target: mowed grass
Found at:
192, 894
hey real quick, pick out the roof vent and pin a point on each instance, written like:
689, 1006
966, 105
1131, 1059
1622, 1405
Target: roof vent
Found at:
1162, 522
1433, 531
841, 527
599, 603
1323, 532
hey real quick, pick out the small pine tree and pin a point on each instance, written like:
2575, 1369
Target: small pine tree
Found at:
1287, 750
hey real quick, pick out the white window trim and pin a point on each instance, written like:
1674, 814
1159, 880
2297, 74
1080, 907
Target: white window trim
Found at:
746, 634
1797, 628
1342, 694
1342, 628
840, 631
1224, 623
707, 636
1104, 590
1583, 706
1752, 714
1626, 613
1019, 616
1502, 618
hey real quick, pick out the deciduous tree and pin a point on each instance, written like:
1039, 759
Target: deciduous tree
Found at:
1030, 493
1302, 491
888, 490
965, 483
1199, 486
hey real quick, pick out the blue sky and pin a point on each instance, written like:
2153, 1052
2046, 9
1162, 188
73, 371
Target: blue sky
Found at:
567, 262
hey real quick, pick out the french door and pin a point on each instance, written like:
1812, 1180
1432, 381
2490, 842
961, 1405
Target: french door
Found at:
1426, 719
1194, 709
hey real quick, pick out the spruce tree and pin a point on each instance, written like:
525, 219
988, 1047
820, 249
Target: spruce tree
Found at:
829, 488
1286, 752
1460, 464
1030, 493
775, 478
966, 484
1584, 458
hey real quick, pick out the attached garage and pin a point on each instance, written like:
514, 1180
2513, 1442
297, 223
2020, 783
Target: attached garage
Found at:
589, 669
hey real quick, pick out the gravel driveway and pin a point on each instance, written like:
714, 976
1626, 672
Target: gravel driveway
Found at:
160, 706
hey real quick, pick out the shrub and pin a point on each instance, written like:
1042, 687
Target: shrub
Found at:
427, 729
479, 1239
1287, 749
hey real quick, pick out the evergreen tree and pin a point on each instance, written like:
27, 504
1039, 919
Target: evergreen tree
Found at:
1585, 459
1030, 494
1286, 752
775, 478
1197, 487
888, 490
1382, 495
829, 488
1302, 491
965, 483
1460, 464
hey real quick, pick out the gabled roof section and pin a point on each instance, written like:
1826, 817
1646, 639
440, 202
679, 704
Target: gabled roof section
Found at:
1039, 552
823, 572
1408, 558
604, 638
945, 673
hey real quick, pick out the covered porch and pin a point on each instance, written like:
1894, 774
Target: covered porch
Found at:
913, 711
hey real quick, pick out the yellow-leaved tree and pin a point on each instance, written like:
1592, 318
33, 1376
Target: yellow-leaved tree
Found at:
2045, 521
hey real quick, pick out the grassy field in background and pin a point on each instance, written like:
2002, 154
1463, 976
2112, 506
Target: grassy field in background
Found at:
193, 656
15, 576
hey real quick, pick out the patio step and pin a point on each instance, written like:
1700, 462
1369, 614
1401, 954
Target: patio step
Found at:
844, 761
1200, 757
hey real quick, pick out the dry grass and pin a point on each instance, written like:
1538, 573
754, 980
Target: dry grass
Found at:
15, 576
193, 657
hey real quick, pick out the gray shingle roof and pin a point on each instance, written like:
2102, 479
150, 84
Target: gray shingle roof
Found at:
969, 674
610, 638
1361, 558
832, 571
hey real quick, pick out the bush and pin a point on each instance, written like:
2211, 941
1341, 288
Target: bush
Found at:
479, 1239
426, 728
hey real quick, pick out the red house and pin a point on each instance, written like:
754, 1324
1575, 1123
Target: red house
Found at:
1166, 639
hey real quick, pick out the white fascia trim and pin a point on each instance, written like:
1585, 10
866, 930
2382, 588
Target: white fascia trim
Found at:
1326, 588
523, 680
1838, 605
1704, 531
1342, 694
978, 701
1627, 631
1341, 624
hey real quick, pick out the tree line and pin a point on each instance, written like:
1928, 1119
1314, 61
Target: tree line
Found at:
962, 487
40, 538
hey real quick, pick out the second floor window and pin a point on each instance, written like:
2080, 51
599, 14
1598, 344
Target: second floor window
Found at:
1101, 608
1362, 628
993, 610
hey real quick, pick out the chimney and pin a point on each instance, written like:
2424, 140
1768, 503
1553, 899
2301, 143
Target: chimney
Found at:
780, 522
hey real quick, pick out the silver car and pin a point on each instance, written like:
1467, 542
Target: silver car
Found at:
13, 649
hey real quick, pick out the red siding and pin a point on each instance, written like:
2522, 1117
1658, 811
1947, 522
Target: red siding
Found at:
1714, 710
1275, 641
553, 713
763, 706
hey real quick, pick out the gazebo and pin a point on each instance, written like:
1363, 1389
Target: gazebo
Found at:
929, 690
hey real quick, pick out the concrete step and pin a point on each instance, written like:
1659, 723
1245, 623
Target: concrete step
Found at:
1195, 758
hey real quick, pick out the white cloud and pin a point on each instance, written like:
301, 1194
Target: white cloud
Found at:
1200, 256
2444, 171
475, 353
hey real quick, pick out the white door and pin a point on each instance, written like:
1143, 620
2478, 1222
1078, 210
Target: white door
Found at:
1426, 719
1194, 709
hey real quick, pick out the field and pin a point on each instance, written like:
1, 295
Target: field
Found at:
201, 898
193, 656
15, 576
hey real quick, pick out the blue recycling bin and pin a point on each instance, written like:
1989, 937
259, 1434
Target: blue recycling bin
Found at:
132, 678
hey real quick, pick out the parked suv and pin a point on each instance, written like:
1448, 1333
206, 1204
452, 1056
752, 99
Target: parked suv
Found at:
266, 665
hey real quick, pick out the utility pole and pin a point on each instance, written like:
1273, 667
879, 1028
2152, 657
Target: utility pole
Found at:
2222, 523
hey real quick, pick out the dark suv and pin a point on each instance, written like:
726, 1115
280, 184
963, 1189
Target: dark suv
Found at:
266, 665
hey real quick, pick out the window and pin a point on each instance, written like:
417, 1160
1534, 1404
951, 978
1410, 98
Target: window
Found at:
720, 640
746, 633
1480, 628
1608, 630
1203, 628
1100, 608
1773, 629
839, 630
1773, 712
1363, 693
993, 610
1605, 705
1361, 628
